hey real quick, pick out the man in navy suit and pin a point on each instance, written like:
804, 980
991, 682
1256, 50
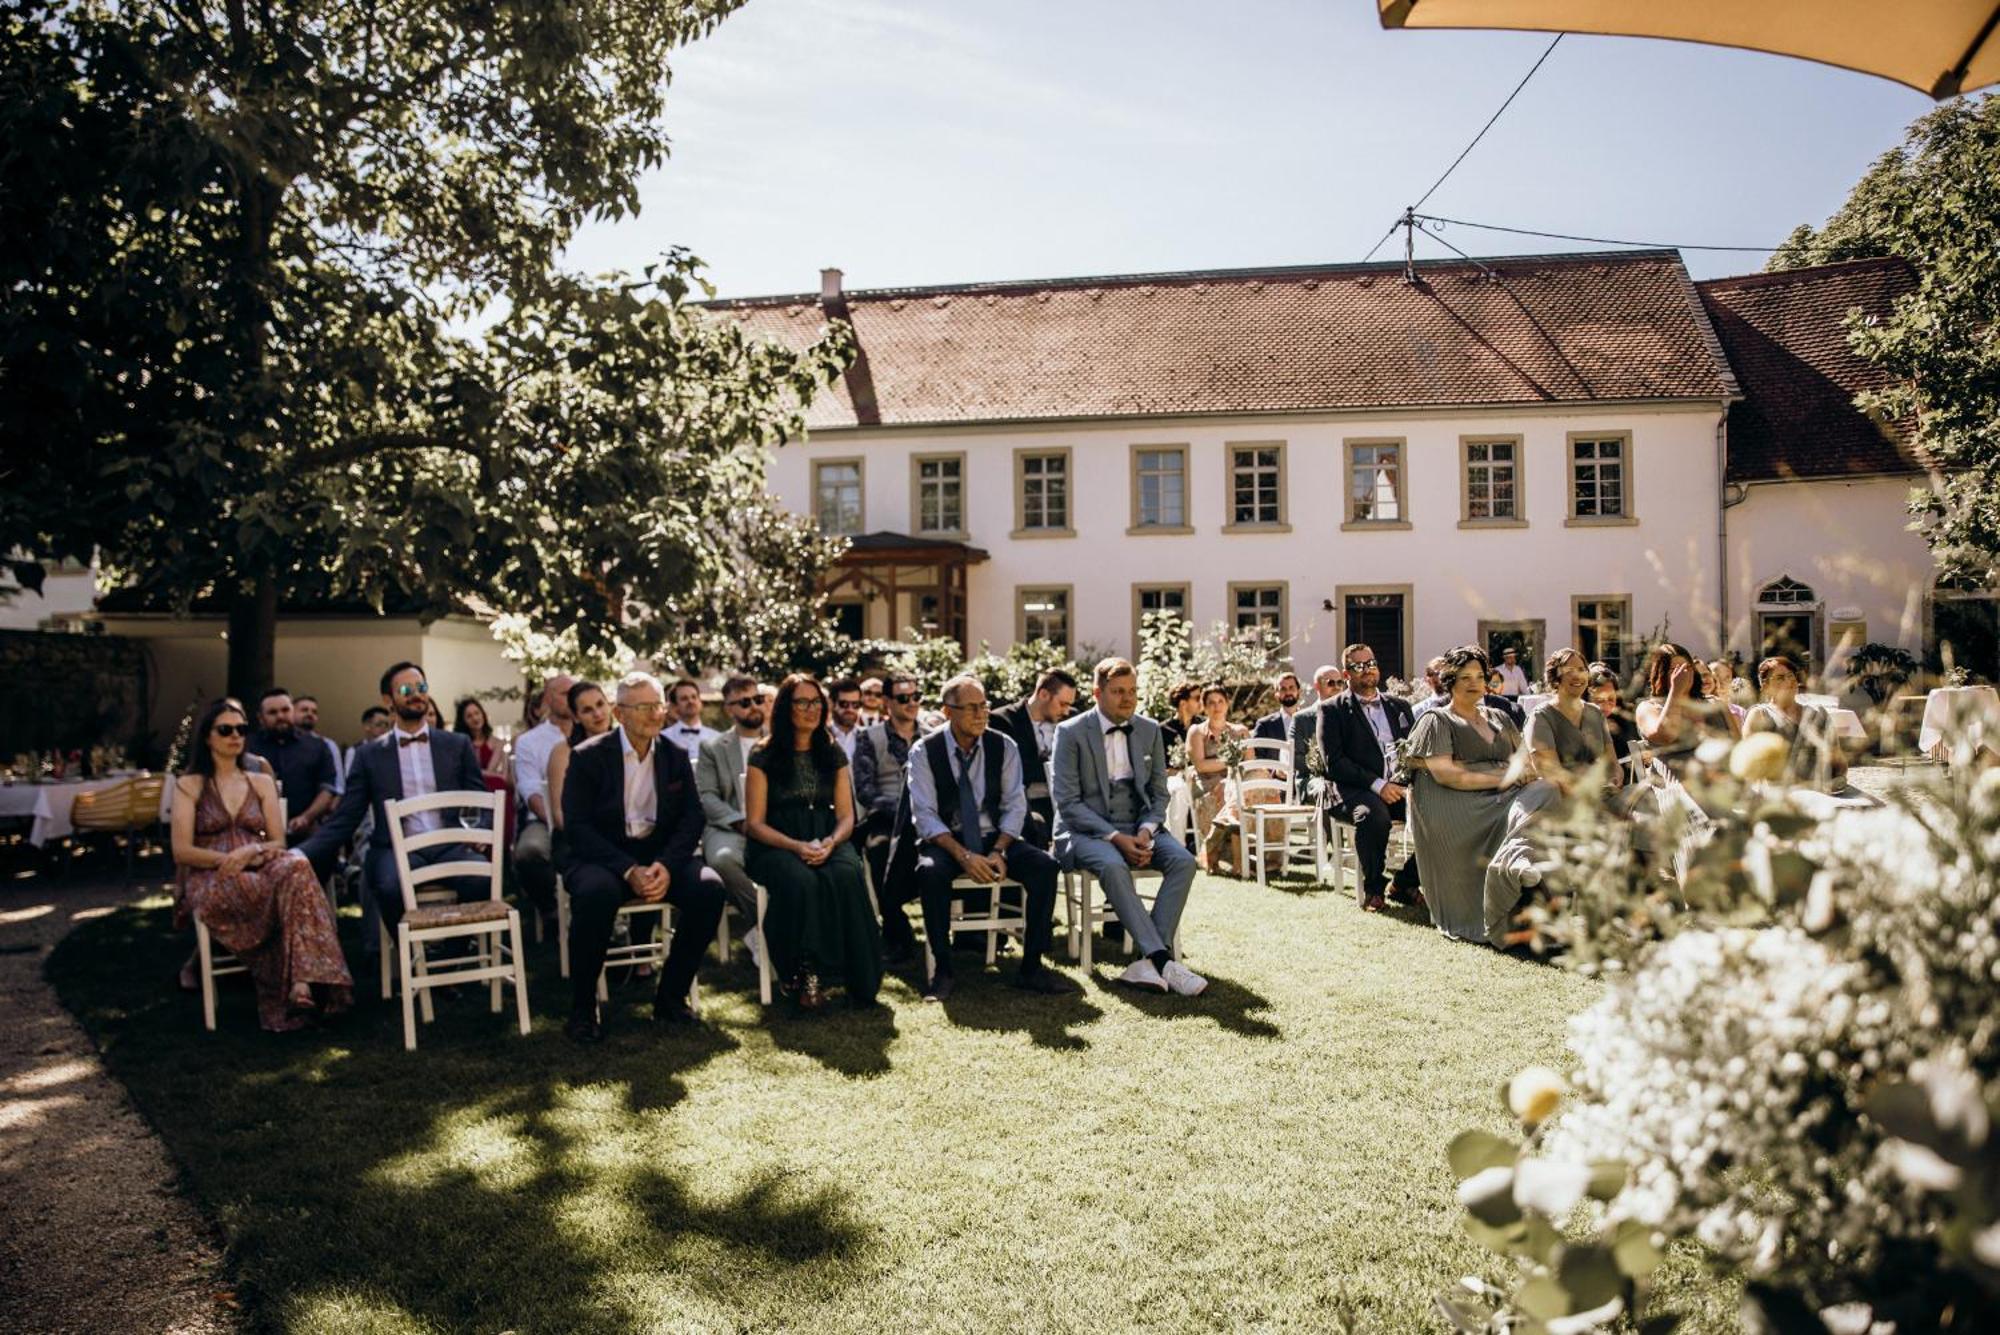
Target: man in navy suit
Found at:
633, 821
1358, 732
412, 759
1276, 726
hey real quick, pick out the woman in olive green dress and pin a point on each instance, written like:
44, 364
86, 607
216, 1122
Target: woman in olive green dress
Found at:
798, 816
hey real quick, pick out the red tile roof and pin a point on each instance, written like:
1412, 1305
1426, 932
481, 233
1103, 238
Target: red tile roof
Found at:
1786, 335
1516, 330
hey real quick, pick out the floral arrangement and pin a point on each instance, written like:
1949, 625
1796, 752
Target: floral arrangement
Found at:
1796, 1069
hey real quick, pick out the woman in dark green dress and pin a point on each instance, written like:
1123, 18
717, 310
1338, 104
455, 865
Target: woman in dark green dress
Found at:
798, 812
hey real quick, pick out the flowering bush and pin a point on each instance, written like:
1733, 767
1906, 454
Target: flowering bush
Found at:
1800, 1067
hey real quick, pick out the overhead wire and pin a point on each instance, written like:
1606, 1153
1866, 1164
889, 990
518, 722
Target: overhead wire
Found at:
1467, 149
1565, 236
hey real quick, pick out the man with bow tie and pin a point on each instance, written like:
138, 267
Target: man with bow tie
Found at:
1108, 779
412, 759
685, 729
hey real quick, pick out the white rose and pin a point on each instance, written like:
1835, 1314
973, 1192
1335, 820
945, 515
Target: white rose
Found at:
1535, 1094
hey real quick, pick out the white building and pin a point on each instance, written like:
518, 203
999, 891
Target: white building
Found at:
1536, 446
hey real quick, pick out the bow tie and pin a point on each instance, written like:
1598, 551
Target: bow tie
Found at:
687, 731
1125, 728
404, 740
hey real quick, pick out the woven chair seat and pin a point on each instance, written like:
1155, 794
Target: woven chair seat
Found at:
455, 915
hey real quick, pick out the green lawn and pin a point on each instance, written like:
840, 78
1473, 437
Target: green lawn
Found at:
1268, 1155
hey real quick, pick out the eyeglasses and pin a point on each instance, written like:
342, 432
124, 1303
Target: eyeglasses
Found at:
979, 708
645, 710
810, 704
231, 730
410, 688
906, 697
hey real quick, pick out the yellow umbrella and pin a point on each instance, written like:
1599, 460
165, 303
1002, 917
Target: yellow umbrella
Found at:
1939, 47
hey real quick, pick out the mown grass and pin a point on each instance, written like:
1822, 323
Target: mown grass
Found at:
1269, 1155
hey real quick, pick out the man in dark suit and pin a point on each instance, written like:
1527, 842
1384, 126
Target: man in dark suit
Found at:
1358, 730
1276, 726
1328, 682
1031, 722
633, 822
411, 760
967, 806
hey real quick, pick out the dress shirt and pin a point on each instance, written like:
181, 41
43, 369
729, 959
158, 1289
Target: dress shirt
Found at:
1377, 715
1513, 681
689, 737
924, 812
1117, 749
1045, 739
642, 798
532, 750
846, 739
413, 759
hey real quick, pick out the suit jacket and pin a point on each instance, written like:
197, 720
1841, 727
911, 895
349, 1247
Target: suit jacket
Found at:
376, 778
1274, 726
1014, 721
1305, 727
1352, 756
594, 807
718, 780
1080, 776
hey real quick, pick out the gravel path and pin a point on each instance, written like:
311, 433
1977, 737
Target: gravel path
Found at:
95, 1235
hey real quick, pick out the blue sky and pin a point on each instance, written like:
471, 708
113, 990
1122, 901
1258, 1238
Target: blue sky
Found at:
911, 143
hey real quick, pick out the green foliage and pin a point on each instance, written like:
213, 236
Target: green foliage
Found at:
281, 316
1010, 676
1170, 653
1935, 202
1879, 669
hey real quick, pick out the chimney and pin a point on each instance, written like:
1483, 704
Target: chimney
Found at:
829, 288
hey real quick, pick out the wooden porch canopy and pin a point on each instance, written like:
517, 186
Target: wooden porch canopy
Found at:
885, 565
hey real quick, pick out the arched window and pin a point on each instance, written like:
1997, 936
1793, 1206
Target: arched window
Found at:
1785, 591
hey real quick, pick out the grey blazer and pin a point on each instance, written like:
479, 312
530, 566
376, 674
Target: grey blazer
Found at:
719, 780
1080, 776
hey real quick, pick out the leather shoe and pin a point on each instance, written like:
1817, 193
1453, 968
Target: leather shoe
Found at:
584, 1027
1373, 904
938, 988
674, 1013
1045, 981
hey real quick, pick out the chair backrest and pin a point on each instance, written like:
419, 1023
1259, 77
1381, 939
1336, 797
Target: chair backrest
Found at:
1267, 751
148, 793
1262, 790
105, 808
483, 806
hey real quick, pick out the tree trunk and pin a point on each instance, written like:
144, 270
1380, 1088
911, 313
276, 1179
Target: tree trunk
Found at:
253, 640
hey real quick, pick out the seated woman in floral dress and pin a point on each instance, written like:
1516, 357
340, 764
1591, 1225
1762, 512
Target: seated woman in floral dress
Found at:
261, 903
1208, 769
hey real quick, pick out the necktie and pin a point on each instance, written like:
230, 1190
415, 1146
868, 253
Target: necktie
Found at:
968, 806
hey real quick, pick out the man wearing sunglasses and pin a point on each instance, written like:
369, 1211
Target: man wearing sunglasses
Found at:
412, 760
718, 778
1358, 733
881, 756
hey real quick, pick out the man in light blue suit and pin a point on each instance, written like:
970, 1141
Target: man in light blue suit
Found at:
1108, 780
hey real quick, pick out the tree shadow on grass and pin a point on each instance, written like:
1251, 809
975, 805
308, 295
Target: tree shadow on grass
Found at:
486, 1181
1230, 1004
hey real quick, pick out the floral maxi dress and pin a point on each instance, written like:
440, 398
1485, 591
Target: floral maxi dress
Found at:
273, 918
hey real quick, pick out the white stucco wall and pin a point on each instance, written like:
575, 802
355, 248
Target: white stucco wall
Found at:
1666, 562
338, 659
1850, 541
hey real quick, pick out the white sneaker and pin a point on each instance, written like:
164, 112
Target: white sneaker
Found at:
1141, 973
1182, 979
753, 941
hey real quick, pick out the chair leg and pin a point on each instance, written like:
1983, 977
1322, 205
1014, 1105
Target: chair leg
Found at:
206, 949
490, 958
722, 936
520, 970
382, 953
764, 962
420, 954
1085, 885
409, 992
562, 927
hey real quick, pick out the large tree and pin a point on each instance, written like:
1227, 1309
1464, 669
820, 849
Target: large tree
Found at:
1935, 201
281, 315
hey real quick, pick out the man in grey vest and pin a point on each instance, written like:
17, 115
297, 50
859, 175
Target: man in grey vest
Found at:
1109, 781
718, 778
881, 758
968, 807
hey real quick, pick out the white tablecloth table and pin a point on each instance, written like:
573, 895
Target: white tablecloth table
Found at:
1951, 712
1846, 723
48, 804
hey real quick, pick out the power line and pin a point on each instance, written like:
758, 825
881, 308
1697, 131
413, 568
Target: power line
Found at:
1564, 236
1468, 148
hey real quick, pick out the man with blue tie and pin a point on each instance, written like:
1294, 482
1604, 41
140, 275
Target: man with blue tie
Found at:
412, 759
968, 805
1109, 781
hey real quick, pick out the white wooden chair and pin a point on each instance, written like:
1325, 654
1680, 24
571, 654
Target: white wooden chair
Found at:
1263, 801
633, 953
215, 963
1086, 908
995, 920
1331, 855
494, 924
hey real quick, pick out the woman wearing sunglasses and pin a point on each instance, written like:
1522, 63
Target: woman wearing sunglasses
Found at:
262, 903
799, 813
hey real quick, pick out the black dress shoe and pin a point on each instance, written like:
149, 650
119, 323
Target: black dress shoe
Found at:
674, 1013
584, 1027
938, 988
1044, 980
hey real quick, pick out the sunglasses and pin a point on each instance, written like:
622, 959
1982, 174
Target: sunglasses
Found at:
906, 697
410, 688
744, 703
231, 730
